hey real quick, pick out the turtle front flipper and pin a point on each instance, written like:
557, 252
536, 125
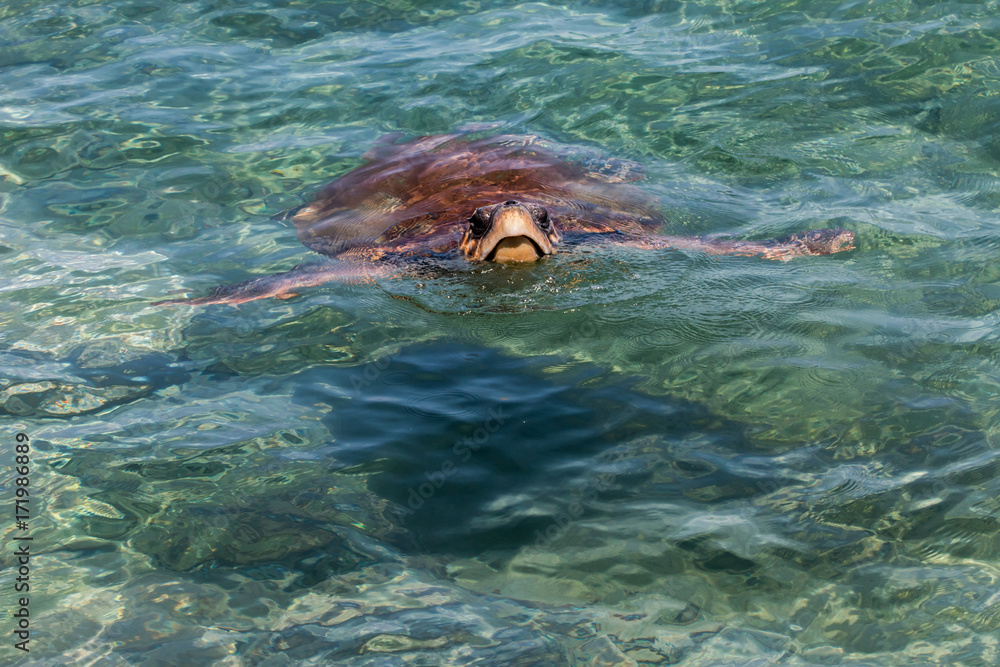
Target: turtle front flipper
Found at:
812, 242
285, 285
613, 170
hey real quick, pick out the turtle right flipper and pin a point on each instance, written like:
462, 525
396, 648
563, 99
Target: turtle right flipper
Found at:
801, 244
812, 242
285, 285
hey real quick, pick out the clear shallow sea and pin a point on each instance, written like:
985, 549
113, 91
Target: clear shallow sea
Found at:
652, 458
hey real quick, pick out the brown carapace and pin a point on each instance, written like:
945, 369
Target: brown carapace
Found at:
502, 199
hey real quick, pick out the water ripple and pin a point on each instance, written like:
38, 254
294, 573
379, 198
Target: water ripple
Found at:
711, 460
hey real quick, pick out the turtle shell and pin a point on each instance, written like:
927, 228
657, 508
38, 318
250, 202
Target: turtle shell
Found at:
423, 192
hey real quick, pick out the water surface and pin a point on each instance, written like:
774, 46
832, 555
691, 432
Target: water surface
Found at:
610, 458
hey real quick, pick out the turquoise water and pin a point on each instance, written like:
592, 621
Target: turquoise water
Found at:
612, 458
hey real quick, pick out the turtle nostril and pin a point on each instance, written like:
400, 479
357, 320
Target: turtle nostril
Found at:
510, 203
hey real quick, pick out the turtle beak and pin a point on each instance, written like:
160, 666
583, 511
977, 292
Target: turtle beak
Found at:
511, 235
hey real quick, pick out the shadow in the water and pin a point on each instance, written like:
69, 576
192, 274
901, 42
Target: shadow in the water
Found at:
511, 450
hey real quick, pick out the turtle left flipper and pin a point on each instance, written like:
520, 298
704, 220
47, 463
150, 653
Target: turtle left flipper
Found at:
283, 285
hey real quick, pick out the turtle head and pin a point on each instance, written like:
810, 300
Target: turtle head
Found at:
510, 232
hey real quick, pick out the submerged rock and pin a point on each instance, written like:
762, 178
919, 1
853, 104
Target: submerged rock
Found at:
232, 505
89, 380
61, 399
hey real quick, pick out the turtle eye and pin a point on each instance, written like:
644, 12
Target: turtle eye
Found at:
479, 222
542, 216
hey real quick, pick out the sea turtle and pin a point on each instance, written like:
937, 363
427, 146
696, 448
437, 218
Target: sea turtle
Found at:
499, 199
